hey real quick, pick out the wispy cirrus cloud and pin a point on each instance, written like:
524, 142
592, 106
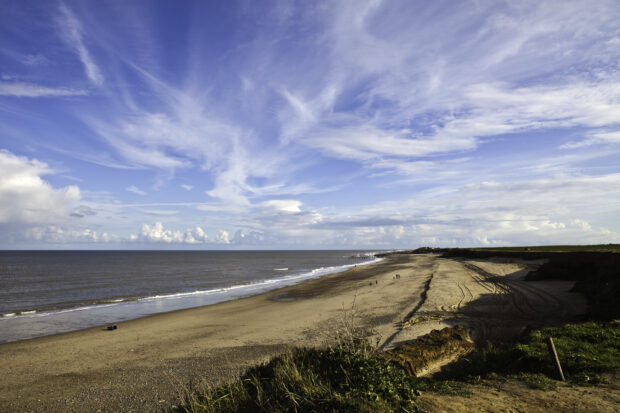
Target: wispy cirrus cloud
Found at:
73, 33
32, 90
444, 78
597, 138
161, 212
345, 124
134, 189
385, 97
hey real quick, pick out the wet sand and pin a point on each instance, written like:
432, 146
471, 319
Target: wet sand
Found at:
140, 365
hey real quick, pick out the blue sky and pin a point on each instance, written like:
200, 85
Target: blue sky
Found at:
282, 124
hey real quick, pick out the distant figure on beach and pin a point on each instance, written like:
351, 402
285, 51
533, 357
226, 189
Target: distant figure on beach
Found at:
111, 328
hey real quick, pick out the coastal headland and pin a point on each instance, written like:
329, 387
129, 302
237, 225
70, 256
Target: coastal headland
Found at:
140, 365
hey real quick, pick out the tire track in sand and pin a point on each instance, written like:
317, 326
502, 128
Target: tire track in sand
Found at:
524, 296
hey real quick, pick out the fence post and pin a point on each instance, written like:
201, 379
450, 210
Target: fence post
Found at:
554, 356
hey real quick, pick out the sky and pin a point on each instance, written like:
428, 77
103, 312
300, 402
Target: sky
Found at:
308, 125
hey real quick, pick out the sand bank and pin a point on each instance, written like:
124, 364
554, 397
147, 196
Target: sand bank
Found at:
136, 366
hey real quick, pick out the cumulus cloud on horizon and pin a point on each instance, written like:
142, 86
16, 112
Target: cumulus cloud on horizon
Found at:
26, 198
156, 233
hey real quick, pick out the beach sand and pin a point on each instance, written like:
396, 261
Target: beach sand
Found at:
141, 365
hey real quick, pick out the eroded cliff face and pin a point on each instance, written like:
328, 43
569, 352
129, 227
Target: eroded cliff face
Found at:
430, 352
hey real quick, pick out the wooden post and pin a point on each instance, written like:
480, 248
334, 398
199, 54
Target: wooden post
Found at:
554, 356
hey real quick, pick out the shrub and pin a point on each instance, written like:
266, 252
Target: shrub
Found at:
347, 376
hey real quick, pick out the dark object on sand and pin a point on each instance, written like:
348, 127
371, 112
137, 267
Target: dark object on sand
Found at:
111, 328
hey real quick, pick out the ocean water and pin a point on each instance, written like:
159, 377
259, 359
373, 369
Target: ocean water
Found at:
48, 292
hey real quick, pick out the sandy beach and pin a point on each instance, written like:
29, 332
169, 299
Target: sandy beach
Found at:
140, 365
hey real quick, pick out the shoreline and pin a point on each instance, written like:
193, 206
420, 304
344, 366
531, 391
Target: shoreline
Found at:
136, 365
140, 365
54, 322
277, 294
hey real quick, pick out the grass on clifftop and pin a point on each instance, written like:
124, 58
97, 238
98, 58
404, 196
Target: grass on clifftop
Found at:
349, 376
344, 377
585, 351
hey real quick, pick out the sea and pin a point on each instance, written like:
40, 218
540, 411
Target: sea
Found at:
50, 292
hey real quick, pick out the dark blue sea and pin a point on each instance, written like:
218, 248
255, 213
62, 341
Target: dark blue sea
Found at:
48, 292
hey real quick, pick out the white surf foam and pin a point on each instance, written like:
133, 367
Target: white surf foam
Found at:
226, 293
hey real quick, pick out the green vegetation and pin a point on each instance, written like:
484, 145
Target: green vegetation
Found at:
585, 350
351, 377
536, 381
345, 377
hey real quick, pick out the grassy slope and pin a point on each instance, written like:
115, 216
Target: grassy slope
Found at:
585, 351
346, 377
351, 377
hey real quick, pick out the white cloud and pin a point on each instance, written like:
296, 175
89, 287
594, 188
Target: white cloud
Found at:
83, 211
498, 109
21, 89
367, 142
387, 88
558, 209
419, 99
73, 33
183, 134
500, 229
222, 237
284, 205
156, 233
598, 138
249, 238
420, 86
26, 59
26, 199
551, 188
35, 60
139, 154
135, 190
58, 235
279, 215
480, 111
161, 212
